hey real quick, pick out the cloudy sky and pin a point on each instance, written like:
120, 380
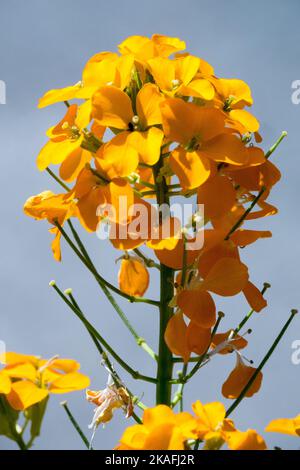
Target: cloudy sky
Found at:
44, 44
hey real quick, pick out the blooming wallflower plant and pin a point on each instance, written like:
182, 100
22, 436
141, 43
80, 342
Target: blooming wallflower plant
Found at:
148, 132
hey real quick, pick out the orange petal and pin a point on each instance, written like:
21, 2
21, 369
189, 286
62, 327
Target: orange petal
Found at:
198, 339
73, 164
248, 440
24, 394
112, 107
289, 426
198, 306
147, 144
174, 258
69, 383
200, 88
21, 371
133, 277
246, 119
209, 257
117, 158
148, 105
175, 336
254, 297
227, 277
227, 148
5, 383
246, 237
192, 168
238, 379
218, 196
238, 342
182, 121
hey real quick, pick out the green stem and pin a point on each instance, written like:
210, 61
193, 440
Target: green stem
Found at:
150, 263
139, 340
178, 397
261, 365
115, 376
199, 363
58, 180
274, 147
135, 374
243, 217
165, 362
100, 279
76, 425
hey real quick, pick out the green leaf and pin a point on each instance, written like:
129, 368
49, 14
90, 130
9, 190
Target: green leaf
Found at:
8, 419
36, 414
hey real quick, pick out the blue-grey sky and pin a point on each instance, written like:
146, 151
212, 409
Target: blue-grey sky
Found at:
44, 44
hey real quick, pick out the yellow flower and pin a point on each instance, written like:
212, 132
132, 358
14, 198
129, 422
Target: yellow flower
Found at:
101, 69
140, 140
65, 143
32, 379
215, 429
289, 426
181, 77
232, 96
144, 48
162, 429
52, 207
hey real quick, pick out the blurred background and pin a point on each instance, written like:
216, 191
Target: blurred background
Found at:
44, 44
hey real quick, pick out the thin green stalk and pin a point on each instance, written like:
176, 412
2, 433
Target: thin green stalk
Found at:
150, 263
165, 363
274, 147
139, 340
243, 217
58, 180
250, 313
115, 376
261, 365
100, 279
204, 355
90, 328
263, 189
76, 425
178, 396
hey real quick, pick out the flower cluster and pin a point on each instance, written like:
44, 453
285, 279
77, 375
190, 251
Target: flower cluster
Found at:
146, 125
164, 429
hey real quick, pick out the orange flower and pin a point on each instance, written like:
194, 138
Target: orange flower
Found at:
203, 140
64, 146
215, 429
99, 197
162, 429
144, 48
181, 77
232, 96
101, 69
53, 207
140, 140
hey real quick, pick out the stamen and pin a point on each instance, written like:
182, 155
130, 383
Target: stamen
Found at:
175, 83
